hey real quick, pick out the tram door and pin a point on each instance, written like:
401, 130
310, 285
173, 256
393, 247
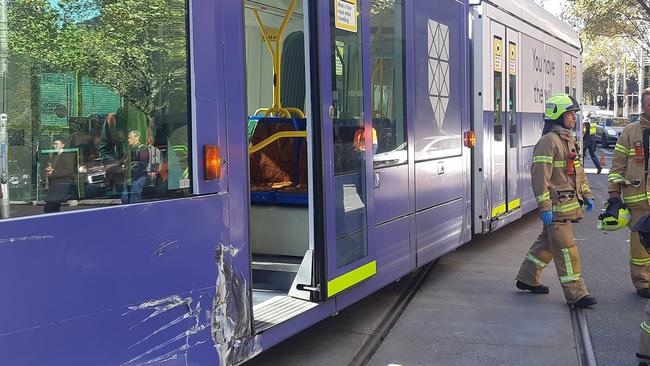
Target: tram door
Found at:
347, 142
513, 188
505, 190
499, 125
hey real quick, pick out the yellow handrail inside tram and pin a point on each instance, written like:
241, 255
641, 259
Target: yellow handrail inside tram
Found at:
276, 136
276, 54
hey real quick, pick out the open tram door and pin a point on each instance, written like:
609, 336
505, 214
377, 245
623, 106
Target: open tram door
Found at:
308, 143
347, 138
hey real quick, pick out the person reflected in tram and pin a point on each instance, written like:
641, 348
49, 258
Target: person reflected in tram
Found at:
135, 169
59, 172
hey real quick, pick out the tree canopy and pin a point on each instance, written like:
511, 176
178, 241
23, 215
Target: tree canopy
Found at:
612, 32
137, 48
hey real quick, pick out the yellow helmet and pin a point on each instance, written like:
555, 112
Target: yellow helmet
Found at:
610, 223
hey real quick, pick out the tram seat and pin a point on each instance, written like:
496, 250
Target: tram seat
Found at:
278, 172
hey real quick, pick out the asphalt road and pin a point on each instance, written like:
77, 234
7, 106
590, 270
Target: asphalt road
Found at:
614, 322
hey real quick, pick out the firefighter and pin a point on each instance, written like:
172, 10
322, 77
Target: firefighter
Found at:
628, 183
561, 189
642, 228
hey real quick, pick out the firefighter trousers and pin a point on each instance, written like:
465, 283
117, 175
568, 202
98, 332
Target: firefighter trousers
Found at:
555, 243
639, 257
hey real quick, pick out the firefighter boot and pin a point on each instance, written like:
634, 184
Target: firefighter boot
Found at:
643, 292
540, 289
585, 302
530, 271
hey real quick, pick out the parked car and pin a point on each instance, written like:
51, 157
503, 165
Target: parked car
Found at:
608, 129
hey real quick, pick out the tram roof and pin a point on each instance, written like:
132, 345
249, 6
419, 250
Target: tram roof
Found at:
538, 17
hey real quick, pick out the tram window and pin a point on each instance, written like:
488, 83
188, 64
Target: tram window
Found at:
498, 88
96, 99
512, 98
387, 81
498, 97
348, 123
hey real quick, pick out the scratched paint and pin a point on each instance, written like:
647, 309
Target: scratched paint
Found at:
25, 238
231, 312
181, 342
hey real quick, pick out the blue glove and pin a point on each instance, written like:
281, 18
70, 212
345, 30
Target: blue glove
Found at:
590, 204
547, 217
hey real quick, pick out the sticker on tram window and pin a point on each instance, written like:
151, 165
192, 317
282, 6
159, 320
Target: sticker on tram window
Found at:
513, 59
340, 46
567, 74
575, 76
498, 54
346, 15
184, 183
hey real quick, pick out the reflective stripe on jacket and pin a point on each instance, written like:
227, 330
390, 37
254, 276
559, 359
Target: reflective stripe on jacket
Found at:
554, 189
628, 165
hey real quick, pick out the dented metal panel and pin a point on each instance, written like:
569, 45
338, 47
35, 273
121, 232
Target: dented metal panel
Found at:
231, 312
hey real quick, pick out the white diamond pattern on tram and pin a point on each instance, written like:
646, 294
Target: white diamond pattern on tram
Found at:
439, 90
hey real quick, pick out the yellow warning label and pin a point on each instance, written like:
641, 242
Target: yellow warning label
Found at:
498, 54
346, 15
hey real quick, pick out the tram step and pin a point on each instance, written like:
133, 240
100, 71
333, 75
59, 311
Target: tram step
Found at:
275, 266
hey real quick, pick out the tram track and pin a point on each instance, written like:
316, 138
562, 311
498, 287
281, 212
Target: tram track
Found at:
384, 327
585, 349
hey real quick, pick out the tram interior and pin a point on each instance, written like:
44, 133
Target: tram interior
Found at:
279, 206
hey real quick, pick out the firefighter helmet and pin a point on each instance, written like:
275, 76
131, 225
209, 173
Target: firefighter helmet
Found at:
609, 222
558, 104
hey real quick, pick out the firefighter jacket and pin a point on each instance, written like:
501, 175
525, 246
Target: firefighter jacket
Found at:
628, 165
559, 185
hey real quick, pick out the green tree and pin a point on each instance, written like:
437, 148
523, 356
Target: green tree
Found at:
612, 32
137, 48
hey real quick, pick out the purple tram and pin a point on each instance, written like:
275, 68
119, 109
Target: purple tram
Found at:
192, 182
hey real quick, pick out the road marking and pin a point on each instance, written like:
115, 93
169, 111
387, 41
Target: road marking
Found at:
594, 171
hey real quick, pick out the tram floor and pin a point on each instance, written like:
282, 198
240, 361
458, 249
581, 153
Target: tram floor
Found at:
466, 312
